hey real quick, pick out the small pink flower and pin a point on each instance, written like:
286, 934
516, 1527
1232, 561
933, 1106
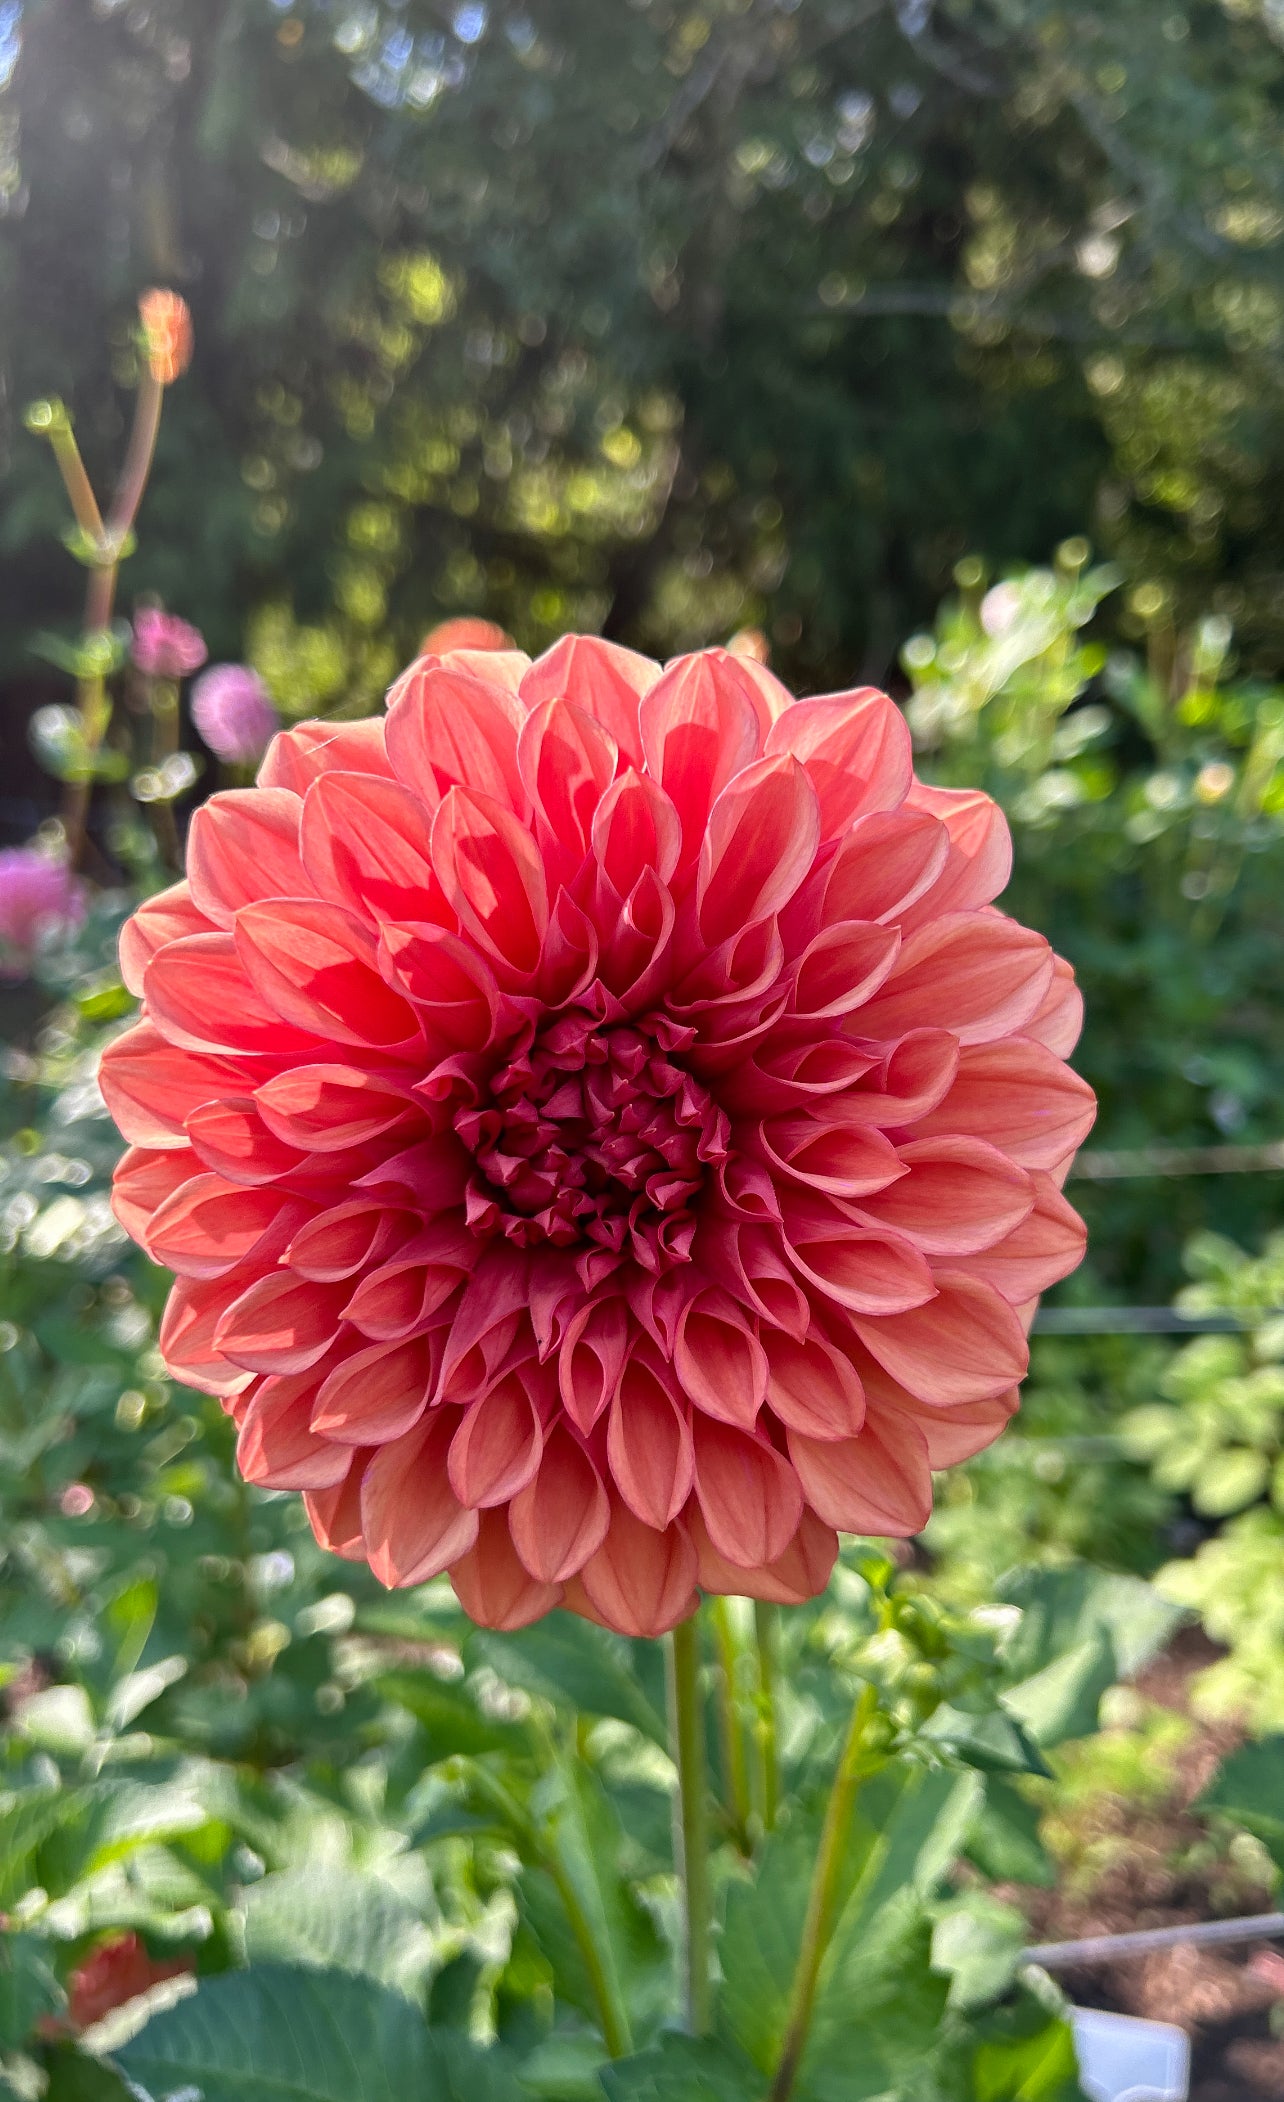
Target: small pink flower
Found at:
231, 709
39, 897
165, 647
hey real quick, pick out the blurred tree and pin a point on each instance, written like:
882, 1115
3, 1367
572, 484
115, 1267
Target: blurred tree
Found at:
661, 316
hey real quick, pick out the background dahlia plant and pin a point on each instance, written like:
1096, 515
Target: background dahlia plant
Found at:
608, 1142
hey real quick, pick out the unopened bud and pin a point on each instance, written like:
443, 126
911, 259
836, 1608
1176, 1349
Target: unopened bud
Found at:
167, 332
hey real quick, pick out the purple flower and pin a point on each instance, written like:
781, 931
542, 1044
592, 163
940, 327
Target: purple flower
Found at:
165, 647
231, 709
39, 898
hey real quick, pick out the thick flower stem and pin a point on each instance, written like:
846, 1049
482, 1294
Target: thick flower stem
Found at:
819, 1922
691, 1821
767, 1630
731, 1729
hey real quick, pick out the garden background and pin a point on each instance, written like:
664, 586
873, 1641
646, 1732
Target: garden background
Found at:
935, 345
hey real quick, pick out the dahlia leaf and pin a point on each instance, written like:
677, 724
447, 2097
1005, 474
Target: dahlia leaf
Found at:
575, 1665
339, 1919
680, 2067
275, 2034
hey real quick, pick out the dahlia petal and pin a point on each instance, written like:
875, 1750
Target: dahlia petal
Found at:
648, 1446
327, 1108
636, 831
812, 1387
800, 1573
1045, 1247
567, 762
452, 987
965, 1345
868, 1271
344, 1239
1021, 1097
242, 845
199, 994
952, 1435
447, 729
295, 758
151, 1087
230, 1137
335, 1513
843, 968
209, 1225
910, 1082
374, 1396
796, 1075
604, 680
1058, 1022
164, 918
364, 843
316, 965
400, 1297
984, 972
281, 1323
497, 1448
842, 1160
186, 1340
877, 1483
414, 1524
750, 1261
856, 749
591, 1360
491, 871
276, 1446
560, 1518
719, 1360
699, 726
143, 1179
491, 1585
761, 838
979, 861
748, 1493
432, 1173
640, 1581
885, 864
959, 1196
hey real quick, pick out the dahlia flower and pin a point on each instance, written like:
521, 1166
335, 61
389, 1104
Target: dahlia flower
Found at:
165, 647
608, 1141
233, 714
39, 898
465, 632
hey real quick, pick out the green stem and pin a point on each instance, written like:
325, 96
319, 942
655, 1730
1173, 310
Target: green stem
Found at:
819, 1923
84, 503
691, 1834
734, 1765
612, 2015
766, 1620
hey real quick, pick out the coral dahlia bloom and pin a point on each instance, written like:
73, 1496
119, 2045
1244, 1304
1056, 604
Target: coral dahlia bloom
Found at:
608, 1141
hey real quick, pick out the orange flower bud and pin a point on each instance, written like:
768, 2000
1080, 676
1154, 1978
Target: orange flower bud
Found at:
167, 328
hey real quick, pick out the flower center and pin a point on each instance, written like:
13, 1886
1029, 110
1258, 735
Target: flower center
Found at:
594, 1136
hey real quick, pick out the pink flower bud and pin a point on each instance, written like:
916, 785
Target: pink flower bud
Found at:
231, 709
39, 898
165, 647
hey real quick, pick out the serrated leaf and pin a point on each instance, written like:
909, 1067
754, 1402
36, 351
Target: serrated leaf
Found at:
1062, 1608
28, 1987
682, 2069
994, 1742
1004, 1841
337, 1919
276, 2034
1249, 1787
450, 1716
575, 1665
1061, 1701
